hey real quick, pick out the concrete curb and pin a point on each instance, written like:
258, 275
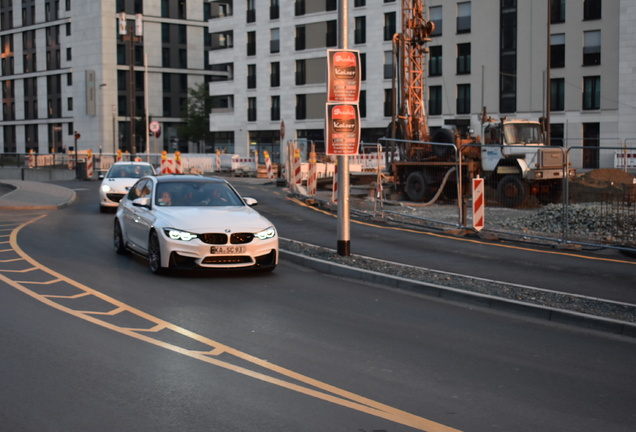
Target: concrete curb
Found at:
28, 195
446, 293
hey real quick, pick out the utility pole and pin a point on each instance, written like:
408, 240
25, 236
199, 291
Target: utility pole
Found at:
344, 235
132, 35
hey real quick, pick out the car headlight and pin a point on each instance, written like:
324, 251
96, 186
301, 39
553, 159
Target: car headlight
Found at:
106, 188
266, 233
175, 234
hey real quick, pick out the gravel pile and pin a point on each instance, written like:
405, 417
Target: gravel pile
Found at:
584, 305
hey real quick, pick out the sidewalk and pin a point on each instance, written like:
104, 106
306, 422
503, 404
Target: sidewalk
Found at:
30, 195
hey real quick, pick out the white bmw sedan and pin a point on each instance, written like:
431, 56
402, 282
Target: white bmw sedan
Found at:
118, 180
191, 221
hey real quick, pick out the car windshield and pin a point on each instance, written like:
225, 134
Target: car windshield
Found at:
196, 194
522, 133
130, 171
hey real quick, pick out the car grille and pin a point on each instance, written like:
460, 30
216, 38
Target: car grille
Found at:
227, 259
115, 197
218, 238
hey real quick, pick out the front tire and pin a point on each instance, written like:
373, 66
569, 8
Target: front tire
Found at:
512, 191
154, 254
118, 239
416, 187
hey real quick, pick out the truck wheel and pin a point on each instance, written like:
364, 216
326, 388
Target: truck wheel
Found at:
552, 193
416, 188
512, 191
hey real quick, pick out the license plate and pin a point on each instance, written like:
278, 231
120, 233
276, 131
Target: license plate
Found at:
227, 250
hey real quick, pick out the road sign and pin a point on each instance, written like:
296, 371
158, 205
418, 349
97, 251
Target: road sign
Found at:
154, 126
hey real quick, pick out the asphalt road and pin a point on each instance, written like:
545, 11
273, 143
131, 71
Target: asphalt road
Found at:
293, 350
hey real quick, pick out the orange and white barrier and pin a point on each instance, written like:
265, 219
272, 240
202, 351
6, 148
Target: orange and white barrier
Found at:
268, 165
478, 203
119, 156
625, 160
178, 164
218, 160
31, 159
89, 164
312, 178
297, 169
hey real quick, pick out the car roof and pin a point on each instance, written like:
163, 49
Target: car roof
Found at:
131, 163
174, 178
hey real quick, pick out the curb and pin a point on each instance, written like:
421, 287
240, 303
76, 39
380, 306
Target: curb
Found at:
455, 295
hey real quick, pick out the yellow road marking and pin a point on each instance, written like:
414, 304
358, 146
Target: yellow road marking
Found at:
311, 387
468, 240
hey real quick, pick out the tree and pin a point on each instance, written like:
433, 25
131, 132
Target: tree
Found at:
195, 112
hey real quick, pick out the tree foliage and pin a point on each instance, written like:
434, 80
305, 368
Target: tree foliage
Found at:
195, 113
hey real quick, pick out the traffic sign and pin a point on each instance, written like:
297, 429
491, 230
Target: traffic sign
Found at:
154, 126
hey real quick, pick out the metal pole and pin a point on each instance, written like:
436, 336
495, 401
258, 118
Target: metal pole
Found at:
146, 109
548, 87
344, 242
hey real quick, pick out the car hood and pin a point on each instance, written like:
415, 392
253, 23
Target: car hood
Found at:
211, 219
119, 184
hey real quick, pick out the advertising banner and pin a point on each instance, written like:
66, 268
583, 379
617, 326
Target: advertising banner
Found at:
342, 129
343, 80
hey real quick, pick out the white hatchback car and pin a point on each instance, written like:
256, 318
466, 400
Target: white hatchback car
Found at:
191, 221
118, 180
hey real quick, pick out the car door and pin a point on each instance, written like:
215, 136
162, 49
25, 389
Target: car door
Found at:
138, 218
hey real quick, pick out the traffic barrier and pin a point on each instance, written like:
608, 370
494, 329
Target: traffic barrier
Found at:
312, 181
624, 160
268, 165
218, 160
178, 165
31, 159
298, 178
119, 156
89, 164
478, 203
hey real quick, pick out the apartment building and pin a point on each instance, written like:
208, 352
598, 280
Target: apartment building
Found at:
487, 55
66, 68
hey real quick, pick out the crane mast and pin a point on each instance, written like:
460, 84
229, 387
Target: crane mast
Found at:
410, 48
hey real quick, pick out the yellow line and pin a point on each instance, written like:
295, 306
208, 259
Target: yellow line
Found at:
469, 240
320, 389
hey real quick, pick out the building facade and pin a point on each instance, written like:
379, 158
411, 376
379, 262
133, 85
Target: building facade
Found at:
489, 56
66, 68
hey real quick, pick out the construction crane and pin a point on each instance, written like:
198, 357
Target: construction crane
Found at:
409, 49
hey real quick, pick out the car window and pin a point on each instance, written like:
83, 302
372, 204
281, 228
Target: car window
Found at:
130, 171
140, 189
196, 194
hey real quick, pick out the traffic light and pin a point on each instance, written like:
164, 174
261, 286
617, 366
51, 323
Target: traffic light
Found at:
77, 135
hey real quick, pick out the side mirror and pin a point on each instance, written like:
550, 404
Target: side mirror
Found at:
250, 201
142, 202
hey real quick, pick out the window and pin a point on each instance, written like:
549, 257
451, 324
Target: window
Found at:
251, 76
463, 59
557, 50
388, 64
332, 33
275, 108
299, 7
359, 3
389, 26
592, 10
274, 11
69, 55
360, 35
251, 109
435, 100
436, 16
301, 107
592, 48
299, 40
274, 42
301, 73
69, 103
592, 93
274, 74
557, 94
463, 17
388, 102
363, 66
435, 61
362, 105
251, 12
557, 11
251, 43
591, 134
463, 99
